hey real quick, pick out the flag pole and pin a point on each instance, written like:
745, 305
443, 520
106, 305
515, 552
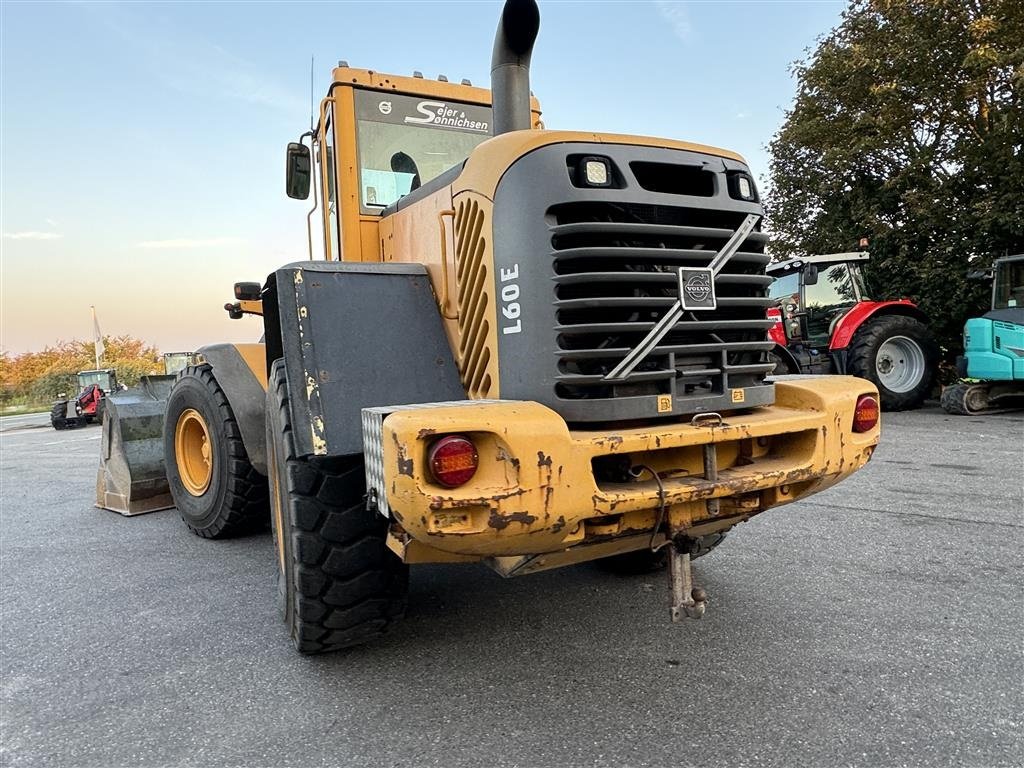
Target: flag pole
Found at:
97, 339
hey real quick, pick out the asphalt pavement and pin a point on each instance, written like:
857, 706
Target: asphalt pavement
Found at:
877, 624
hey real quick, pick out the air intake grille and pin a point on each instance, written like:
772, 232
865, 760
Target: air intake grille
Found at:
475, 355
615, 268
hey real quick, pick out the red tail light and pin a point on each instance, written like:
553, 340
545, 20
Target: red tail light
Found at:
453, 460
865, 415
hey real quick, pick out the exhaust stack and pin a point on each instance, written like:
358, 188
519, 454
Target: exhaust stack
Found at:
510, 65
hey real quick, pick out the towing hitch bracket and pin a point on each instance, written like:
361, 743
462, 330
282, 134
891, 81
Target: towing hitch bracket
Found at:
687, 599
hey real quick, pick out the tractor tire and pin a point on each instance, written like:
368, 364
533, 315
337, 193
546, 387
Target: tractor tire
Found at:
58, 415
101, 407
898, 354
215, 487
645, 561
338, 583
782, 366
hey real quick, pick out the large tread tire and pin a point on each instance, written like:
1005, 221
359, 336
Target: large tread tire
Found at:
864, 353
645, 561
338, 583
236, 500
58, 415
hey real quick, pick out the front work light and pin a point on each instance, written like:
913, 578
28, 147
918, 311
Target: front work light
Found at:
594, 172
453, 460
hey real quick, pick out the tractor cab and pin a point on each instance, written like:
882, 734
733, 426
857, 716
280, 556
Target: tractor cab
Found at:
105, 379
814, 293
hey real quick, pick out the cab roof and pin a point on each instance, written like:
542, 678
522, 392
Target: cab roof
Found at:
789, 265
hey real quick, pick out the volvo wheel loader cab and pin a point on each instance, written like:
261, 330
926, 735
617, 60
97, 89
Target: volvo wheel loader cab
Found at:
824, 322
87, 406
523, 347
992, 366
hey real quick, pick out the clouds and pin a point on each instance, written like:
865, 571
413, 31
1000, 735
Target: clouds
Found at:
186, 242
677, 16
32, 235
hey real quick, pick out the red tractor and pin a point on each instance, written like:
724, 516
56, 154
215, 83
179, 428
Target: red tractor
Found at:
825, 323
87, 406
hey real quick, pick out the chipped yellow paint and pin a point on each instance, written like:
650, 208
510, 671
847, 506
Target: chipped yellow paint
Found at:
251, 307
319, 444
770, 456
298, 276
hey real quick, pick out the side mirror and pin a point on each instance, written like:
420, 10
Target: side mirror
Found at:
247, 291
298, 171
810, 274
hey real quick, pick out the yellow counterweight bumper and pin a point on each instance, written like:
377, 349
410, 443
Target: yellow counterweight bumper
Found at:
542, 487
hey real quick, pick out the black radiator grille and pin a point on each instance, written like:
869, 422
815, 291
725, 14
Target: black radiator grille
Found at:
615, 277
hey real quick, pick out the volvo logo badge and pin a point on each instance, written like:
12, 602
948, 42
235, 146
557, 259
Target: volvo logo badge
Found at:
697, 288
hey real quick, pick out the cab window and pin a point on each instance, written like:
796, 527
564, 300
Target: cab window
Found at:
835, 287
785, 286
405, 141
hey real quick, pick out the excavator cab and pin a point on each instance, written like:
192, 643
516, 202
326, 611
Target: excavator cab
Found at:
991, 369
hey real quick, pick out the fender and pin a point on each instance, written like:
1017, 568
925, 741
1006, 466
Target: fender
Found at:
862, 312
241, 371
792, 366
355, 335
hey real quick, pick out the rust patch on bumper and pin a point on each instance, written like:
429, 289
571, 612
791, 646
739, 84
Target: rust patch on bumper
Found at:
500, 522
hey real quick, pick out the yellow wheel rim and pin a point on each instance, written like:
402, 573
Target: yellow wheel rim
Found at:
193, 452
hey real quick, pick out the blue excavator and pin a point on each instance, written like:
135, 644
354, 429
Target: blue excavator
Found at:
992, 366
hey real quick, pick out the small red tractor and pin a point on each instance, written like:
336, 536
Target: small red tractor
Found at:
825, 323
87, 406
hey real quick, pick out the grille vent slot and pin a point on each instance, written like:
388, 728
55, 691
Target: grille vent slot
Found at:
475, 353
615, 277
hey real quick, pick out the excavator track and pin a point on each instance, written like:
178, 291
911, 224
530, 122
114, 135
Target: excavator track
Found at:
967, 399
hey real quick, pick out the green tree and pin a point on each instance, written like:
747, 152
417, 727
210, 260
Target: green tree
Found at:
908, 129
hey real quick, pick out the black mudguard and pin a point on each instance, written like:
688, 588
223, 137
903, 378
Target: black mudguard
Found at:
246, 395
355, 336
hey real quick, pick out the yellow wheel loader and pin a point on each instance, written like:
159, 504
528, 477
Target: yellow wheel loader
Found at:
521, 347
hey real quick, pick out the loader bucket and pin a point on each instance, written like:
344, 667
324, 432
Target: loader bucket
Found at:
131, 478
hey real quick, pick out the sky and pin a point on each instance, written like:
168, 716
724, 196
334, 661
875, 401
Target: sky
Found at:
142, 144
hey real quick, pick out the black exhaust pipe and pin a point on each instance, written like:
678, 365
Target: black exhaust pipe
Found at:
510, 65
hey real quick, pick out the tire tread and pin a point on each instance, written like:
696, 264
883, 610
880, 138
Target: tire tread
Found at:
349, 588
